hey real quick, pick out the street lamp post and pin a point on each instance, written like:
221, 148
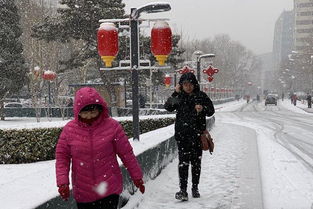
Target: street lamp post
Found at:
199, 63
134, 51
311, 74
292, 78
133, 21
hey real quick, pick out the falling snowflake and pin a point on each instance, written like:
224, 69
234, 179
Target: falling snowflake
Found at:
101, 188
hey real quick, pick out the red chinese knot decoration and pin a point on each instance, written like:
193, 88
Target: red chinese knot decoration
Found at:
185, 69
107, 42
210, 78
161, 41
210, 71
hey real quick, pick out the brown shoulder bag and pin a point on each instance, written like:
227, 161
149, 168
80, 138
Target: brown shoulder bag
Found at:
207, 141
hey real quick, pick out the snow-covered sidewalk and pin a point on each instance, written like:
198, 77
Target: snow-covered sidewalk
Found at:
229, 179
300, 107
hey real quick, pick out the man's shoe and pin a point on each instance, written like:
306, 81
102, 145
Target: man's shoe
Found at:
195, 193
181, 195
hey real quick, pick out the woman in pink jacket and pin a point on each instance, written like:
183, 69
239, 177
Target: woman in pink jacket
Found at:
90, 143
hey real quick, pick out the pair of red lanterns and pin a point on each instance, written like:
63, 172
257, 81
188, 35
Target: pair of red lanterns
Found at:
161, 42
47, 75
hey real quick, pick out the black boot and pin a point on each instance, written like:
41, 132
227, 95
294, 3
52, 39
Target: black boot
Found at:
182, 195
195, 192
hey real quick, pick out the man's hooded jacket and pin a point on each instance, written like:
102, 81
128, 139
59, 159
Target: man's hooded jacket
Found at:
188, 121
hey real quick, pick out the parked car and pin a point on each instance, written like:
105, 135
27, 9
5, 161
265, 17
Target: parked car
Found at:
271, 99
13, 105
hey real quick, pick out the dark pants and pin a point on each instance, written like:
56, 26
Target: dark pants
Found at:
109, 202
189, 152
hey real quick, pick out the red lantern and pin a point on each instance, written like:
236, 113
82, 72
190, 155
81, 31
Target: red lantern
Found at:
107, 42
49, 75
36, 72
161, 41
167, 80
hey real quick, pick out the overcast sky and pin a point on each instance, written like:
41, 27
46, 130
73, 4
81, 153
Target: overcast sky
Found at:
251, 22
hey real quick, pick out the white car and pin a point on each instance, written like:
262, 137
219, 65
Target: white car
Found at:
13, 105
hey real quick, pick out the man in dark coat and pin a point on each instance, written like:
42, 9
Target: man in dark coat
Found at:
309, 99
192, 106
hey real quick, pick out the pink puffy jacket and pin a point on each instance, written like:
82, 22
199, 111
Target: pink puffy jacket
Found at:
92, 151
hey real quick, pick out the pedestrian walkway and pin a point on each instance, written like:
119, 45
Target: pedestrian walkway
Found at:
308, 110
230, 177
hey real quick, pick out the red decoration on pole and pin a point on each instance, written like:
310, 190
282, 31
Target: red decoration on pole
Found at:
107, 42
185, 69
161, 41
49, 75
210, 71
210, 78
167, 80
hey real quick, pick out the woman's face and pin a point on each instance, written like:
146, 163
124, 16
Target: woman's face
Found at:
188, 87
90, 114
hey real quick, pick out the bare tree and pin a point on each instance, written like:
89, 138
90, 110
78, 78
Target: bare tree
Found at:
237, 64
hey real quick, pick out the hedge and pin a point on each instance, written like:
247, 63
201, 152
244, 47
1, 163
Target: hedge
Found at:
38, 144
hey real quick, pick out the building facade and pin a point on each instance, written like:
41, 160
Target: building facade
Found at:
283, 38
303, 23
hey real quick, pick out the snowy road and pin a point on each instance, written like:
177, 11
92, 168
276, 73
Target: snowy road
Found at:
263, 159
285, 142
291, 130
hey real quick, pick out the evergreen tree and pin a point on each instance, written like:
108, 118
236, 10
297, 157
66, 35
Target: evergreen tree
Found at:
12, 65
176, 58
79, 20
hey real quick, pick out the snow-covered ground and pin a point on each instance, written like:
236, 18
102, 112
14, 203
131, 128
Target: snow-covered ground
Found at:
229, 178
286, 180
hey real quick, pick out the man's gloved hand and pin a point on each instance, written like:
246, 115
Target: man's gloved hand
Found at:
64, 191
139, 184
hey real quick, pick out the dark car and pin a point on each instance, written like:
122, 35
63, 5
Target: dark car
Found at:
271, 99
